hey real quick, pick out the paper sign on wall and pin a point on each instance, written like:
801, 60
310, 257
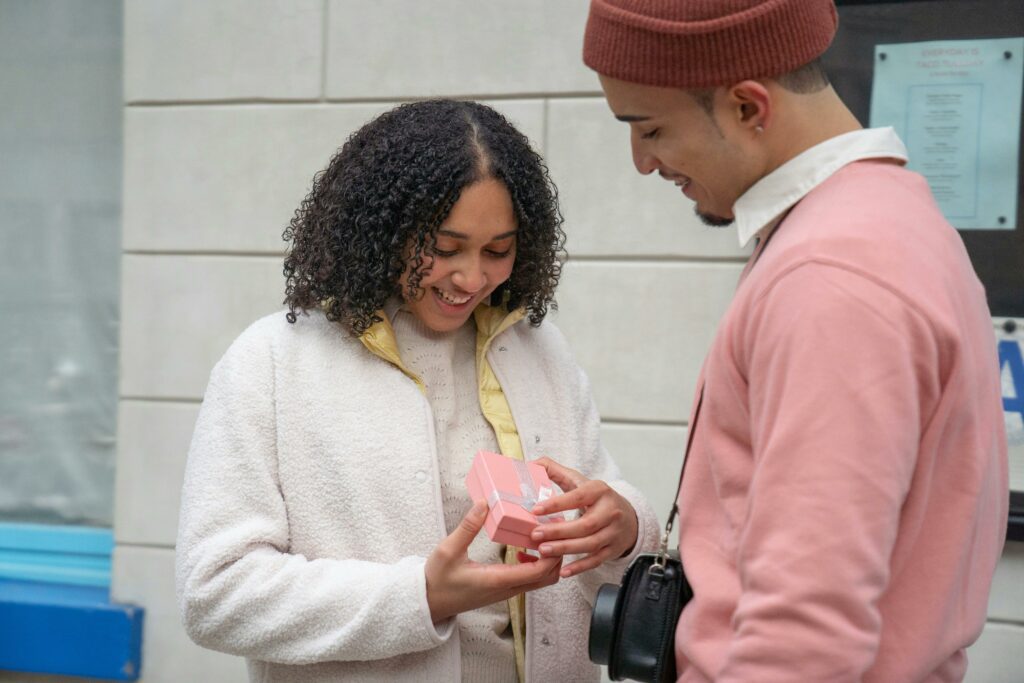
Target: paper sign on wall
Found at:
956, 104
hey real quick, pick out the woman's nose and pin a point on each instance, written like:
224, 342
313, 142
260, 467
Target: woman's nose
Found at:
470, 278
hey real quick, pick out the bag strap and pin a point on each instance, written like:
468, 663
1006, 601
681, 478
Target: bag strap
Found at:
663, 548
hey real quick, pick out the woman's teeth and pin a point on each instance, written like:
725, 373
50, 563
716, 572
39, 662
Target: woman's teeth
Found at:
450, 298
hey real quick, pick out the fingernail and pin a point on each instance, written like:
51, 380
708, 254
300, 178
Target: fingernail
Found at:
565, 573
537, 510
544, 549
537, 535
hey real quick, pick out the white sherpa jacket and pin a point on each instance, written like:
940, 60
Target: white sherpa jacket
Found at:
312, 499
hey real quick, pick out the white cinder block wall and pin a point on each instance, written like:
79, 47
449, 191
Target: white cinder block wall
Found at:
232, 106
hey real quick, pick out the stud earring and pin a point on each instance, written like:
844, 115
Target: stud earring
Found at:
758, 129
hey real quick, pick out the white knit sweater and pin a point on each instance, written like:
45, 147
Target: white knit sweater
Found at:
446, 362
312, 499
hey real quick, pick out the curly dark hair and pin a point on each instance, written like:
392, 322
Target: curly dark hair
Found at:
389, 189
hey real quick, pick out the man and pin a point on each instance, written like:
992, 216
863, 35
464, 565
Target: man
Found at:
845, 500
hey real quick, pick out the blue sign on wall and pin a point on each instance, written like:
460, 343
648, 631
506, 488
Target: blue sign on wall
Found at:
1011, 361
1011, 370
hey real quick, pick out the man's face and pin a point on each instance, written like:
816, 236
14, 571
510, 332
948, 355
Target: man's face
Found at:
672, 133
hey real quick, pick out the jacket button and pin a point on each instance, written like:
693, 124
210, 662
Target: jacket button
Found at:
545, 641
421, 476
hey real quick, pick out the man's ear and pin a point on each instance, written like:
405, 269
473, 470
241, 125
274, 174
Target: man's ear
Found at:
750, 104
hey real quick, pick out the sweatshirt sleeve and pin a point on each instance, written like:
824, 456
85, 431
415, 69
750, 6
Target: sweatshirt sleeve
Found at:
841, 374
239, 589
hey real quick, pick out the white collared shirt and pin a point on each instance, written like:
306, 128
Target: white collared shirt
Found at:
769, 198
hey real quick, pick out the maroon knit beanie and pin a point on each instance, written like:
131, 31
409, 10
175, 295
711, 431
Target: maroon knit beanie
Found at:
705, 43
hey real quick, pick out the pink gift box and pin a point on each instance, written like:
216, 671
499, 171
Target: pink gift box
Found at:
511, 488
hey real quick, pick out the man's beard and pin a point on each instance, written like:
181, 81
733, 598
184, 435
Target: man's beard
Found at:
713, 220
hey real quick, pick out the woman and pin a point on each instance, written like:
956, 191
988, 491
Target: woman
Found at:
326, 533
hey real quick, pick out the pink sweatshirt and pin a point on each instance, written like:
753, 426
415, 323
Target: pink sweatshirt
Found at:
845, 503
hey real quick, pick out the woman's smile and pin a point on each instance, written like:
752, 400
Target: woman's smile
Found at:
449, 298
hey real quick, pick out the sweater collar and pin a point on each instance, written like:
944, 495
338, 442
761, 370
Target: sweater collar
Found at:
380, 337
769, 198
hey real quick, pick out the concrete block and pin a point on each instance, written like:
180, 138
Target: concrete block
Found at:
230, 49
180, 313
392, 48
152, 447
225, 178
641, 330
1006, 601
995, 657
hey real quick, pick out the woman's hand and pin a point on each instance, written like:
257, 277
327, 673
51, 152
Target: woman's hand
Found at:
456, 584
606, 529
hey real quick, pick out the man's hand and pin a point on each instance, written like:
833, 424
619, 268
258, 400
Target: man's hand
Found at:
456, 584
606, 529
